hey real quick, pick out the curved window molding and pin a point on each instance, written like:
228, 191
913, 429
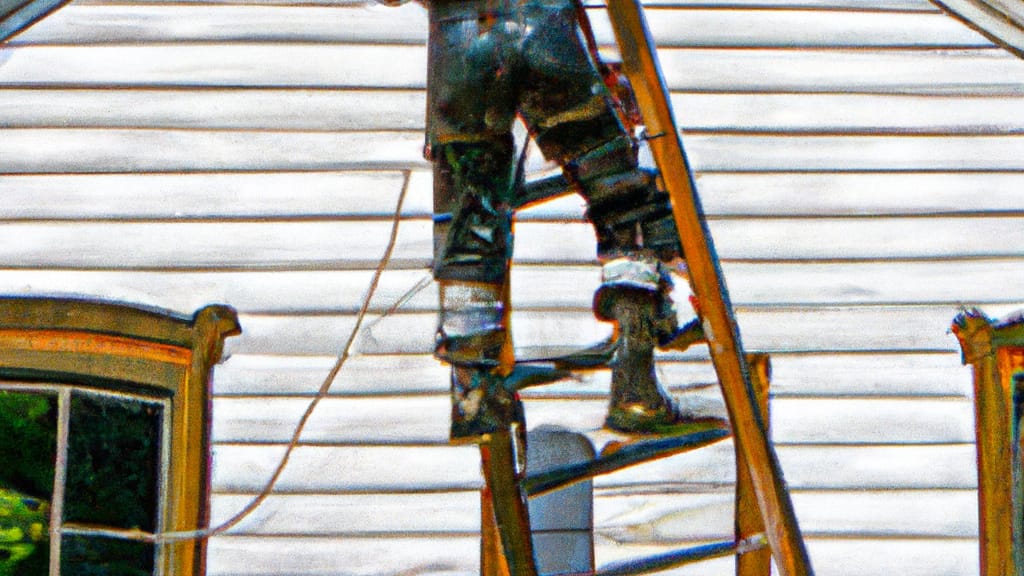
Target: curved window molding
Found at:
99, 388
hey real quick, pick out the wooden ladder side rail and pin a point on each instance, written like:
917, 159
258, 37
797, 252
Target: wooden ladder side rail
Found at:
749, 522
996, 354
753, 558
641, 67
506, 541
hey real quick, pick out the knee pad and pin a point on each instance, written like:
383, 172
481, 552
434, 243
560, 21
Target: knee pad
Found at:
627, 278
627, 210
471, 327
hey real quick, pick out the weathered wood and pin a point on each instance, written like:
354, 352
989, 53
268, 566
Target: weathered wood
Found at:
499, 460
982, 71
458, 556
90, 151
300, 304
327, 195
166, 245
995, 351
245, 468
568, 288
1000, 22
424, 420
366, 194
455, 513
838, 113
242, 64
44, 151
667, 518
341, 245
877, 329
366, 556
29, 151
882, 5
372, 109
812, 421
239, 108
747, 519
313, 469
107, 345
633, 454
822, 194
843, 557
905, 375
671, 27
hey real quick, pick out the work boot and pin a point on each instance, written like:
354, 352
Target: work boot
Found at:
638, 405
640, 304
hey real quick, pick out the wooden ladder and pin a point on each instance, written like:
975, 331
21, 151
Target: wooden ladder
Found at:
759, 479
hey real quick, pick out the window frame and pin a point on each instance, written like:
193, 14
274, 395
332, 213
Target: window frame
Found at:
114, 346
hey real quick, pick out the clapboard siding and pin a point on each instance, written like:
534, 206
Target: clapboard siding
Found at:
350, 194
360, 244
424, 419
776, 329
978, 71
842, 557
366, 556
90, 24
127, 150
354, 514
793, 375
346, 110
313, 469
761, 284
860, 163
327, 195
239, 556
654, 518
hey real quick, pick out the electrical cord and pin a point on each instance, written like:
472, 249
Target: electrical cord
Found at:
172, 537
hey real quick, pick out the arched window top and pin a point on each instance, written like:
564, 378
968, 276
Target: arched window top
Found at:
113, 400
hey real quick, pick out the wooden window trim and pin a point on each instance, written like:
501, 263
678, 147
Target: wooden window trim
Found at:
87, 341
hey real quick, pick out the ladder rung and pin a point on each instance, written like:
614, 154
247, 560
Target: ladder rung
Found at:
675, 558
626, 456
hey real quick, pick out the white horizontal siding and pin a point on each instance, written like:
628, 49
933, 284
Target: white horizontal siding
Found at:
773, 329
284, 195
245, 467
793, 375
137, 150
355, 109
752, 285
360, 244
238, 556
982, 71
860, 163
423, 419
88, 24
635, 518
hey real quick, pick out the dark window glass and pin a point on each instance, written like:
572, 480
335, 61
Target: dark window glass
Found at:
113, 462
98, 556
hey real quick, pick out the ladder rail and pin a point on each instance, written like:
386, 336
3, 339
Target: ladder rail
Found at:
640, 64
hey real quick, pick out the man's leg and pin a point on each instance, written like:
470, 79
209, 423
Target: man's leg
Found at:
469, 117
571, 116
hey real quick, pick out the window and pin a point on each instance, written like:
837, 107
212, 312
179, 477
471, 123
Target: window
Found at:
103, 436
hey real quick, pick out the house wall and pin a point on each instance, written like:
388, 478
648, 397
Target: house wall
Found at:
860, 164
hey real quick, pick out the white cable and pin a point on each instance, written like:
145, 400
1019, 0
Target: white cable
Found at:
171, 537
